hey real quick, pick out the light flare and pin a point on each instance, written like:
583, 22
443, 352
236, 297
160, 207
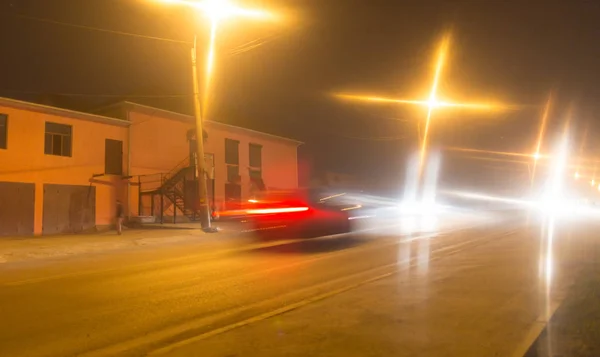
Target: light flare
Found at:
432, 103
441, 60
332, 196
210, 61
352, 208
537, 155
222, 9
541, 135
216, 11
425, 103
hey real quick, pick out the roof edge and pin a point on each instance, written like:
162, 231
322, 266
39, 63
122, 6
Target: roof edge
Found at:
46, 109
188, 118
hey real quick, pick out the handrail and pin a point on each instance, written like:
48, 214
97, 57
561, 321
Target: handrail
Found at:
181, 165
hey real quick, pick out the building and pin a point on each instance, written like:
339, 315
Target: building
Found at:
63, 171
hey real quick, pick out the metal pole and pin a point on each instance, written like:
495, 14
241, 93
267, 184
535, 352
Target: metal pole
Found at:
213, 192
152, 205
162, 207
174, 211
140, 211
202, 191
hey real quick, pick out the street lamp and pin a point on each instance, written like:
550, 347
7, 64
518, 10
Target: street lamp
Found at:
432, 103
215, 10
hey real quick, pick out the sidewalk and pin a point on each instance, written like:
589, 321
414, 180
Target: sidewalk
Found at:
18, 249
21, 249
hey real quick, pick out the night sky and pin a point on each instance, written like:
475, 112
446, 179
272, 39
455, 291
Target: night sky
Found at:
510, 51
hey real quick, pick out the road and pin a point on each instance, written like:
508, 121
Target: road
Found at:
480, 288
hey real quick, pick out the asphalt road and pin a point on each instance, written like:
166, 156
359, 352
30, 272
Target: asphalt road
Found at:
478, 288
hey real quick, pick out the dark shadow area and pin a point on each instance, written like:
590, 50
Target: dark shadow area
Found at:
574, 329
313, 246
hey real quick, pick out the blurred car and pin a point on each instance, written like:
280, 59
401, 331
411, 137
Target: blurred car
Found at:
299, 213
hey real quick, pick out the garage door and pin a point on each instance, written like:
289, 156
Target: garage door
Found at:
68, 208
17, 202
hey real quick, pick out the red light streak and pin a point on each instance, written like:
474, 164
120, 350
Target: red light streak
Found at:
277, 210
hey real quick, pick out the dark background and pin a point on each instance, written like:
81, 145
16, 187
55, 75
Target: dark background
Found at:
510, 51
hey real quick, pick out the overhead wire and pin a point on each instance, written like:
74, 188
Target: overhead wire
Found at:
245, 47
374, 138
91, 28
96, 94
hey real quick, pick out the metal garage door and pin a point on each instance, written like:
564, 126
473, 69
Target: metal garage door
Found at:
17, 208
68, 208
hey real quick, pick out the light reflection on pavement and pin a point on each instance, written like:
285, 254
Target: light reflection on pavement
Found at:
482, 301
462, 284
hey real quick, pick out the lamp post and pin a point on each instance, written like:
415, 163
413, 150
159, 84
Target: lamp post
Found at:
215, 10
200, 164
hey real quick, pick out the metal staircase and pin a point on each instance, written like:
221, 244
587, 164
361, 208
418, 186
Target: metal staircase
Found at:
172, 186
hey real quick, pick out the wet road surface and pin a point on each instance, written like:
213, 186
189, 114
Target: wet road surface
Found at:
483, 289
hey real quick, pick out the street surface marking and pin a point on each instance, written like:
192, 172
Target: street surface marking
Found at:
305, 302
174, 331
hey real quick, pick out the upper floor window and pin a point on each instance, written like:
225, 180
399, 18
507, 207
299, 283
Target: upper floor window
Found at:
255, 159
58, 139
232, 153
232, 160
255, 151
3, 131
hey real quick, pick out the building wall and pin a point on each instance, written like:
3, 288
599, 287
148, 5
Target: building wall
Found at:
279, 159
24, 159
159, 144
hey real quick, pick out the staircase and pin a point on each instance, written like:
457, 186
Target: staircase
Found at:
172, 187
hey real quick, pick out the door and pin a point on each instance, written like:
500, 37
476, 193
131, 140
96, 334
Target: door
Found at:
68, 208
17, 202
113, 157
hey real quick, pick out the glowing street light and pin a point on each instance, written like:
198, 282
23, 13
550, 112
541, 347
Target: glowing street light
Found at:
216, 11
432, 103
576, 175
221, 9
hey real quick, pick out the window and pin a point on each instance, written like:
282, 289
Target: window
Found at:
232, 160
232, 154
3, 131
58, 139
255, 156
255, 168
255, 174
113, 157
233, 173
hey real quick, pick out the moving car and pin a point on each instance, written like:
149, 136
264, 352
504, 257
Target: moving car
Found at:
299, 213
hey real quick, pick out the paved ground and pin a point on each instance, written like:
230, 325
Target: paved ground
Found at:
24, 249
574, 330
483, 290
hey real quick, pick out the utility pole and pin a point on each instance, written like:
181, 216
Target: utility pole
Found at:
200, 164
